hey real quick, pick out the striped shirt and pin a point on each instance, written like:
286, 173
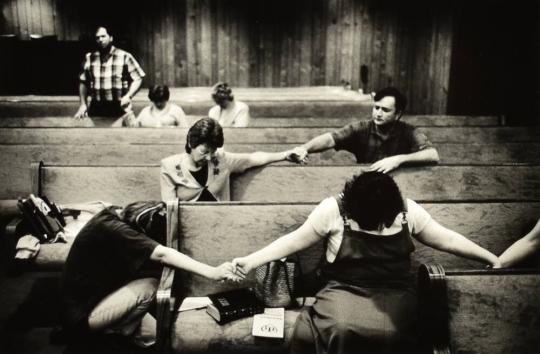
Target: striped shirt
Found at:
109, 77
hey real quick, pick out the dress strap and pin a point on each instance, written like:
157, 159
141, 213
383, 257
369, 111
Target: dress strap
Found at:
339, 200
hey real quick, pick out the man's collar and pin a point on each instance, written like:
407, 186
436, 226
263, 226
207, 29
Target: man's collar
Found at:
390, 133
111, 50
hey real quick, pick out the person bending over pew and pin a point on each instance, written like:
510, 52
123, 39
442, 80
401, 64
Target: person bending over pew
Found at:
384, 141
103, 291
227, 111
111, 77
161, 113
368, 302
522, 248
202, 172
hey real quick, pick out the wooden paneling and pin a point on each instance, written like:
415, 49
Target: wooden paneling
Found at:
262, 44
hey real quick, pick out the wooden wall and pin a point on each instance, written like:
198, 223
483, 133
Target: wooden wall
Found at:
275, 43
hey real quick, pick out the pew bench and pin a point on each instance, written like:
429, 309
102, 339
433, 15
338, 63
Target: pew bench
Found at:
15, 176
287, 183
479, 311
416, 120
217, 232
253, 135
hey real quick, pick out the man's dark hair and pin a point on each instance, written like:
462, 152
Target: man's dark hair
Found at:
222, 92
205, 131
401, 100
159, 93
147, 217
372, 199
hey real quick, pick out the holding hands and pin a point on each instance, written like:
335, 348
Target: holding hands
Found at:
225, 271
299, 155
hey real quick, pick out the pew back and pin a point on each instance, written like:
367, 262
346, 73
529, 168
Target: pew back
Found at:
15, 177
123, 184
416, 120
217, 232
485, 311
289, 135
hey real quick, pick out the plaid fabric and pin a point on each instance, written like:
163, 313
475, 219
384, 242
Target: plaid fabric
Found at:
109, 77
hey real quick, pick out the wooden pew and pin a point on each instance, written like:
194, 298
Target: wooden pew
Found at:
217, 232
84, 136
299, 108
416, 120
15, 178
291, 183
479, 311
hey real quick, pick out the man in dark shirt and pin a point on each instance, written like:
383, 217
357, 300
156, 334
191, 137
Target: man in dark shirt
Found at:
384, 141
102, 288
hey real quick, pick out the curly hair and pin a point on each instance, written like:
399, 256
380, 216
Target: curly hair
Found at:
205, 131
159, 93
372, 199
222, 92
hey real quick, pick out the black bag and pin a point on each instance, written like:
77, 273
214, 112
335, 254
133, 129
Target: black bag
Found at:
44, 218
276, 282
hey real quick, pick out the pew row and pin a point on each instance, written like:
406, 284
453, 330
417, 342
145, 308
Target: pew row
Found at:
291, 183
214, 233
416, 120
298, 135
16, 179
299, 108
479, 311
493, 225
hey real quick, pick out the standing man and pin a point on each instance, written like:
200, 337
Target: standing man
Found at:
111, 77
384, 141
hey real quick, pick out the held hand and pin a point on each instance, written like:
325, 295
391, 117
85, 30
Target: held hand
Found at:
496, 264
299, 155
125, 101
242, 266
387, 164
225, 271
82, 112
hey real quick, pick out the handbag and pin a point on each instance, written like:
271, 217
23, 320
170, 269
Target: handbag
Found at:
44, 218
275, 283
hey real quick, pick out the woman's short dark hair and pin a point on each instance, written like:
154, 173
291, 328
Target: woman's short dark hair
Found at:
401, 100
222, 92
147, 217
159, 93
372, 199
205, 131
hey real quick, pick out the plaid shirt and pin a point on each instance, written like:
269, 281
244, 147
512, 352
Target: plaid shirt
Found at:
109, 78
362, 139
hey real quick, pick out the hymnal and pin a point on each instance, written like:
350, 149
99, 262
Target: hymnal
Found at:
234, 304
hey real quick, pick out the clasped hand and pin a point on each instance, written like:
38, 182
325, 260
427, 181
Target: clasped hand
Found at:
234, 271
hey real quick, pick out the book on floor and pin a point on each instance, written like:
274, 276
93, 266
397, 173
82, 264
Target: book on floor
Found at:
269, 324
230, 305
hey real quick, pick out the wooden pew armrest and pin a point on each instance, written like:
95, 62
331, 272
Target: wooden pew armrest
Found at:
164, 298
165, 303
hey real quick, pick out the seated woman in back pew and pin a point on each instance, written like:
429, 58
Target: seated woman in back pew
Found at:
102, 288
368, 303
161, 113
202, 172
227, 111
522, 248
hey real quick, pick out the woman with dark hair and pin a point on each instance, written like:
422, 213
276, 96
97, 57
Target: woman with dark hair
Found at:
227, 111
368, 303
103, 291
202, 172
161, 113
